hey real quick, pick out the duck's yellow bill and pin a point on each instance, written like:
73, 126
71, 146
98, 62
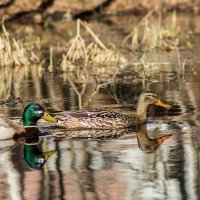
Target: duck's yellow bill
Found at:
46, 116
160, 103
48, 154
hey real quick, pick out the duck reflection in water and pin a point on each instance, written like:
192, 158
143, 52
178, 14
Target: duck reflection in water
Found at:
146, 143
36, 158
33, 156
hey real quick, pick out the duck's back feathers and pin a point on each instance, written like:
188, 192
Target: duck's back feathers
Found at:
95, 119
80, 114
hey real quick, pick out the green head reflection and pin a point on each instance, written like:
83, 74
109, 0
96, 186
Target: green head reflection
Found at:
34, 157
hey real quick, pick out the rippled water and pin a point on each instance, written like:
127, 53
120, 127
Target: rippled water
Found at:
130, 166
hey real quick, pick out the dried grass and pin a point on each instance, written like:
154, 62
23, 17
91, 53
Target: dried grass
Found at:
12, 52
150, 34
81, 53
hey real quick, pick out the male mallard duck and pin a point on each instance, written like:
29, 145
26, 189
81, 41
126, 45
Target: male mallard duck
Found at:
32, 113
104, 119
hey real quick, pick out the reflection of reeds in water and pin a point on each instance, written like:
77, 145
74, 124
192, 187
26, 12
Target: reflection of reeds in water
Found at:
184, 156
11, 81
12, 177
28, 83
6, 82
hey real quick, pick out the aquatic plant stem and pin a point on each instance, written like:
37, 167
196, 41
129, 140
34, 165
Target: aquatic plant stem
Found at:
79, 94
77, 44
181, 64
50, 68
85, 25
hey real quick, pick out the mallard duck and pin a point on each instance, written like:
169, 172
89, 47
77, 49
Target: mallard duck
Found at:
32, 113
33, 156
146, 143
104, 119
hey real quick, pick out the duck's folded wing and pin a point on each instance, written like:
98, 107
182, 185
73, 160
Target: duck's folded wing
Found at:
78, 114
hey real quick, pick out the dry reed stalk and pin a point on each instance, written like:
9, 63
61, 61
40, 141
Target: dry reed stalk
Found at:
95, 52
77, 48
12, 52
148, 35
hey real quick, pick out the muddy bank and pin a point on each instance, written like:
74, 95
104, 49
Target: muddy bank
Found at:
38, 11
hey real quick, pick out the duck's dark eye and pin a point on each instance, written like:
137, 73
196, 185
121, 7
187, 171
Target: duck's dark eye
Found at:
153, 95
39, 110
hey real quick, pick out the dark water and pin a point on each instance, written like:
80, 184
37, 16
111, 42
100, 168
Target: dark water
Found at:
130, 166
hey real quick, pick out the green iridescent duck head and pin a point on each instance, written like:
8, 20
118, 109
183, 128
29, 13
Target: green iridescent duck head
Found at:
33, 112
34, 157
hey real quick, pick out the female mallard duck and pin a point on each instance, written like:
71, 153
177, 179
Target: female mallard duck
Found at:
103, 119
32, 113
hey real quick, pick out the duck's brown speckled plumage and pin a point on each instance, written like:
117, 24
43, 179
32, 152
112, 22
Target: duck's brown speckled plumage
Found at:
95, 119
104, 119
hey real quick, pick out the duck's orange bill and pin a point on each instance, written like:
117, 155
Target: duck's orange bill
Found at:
161, 139
160, 103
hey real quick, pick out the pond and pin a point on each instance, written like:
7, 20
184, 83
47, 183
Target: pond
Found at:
134, 165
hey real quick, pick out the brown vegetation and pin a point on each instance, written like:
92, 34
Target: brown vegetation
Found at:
42, 8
